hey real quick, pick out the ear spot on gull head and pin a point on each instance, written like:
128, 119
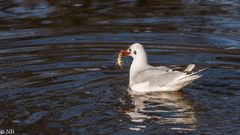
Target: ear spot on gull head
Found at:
135, 52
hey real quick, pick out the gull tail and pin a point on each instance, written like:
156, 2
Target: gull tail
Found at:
190, 74
189, 68
187, 78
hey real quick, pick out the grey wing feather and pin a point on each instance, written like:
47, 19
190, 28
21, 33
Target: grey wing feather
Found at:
157, 76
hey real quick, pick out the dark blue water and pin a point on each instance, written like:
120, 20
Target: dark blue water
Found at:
58, 72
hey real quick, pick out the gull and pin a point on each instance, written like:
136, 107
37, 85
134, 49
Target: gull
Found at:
145, 78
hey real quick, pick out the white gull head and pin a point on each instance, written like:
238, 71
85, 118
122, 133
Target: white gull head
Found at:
140, 62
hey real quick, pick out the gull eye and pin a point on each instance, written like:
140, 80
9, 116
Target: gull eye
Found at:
135, 52
129, 50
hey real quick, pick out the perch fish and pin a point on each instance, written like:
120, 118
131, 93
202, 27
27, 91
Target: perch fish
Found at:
120, 60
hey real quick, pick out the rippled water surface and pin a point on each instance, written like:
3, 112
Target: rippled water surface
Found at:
58, 72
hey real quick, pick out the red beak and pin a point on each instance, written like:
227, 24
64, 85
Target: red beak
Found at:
125, 53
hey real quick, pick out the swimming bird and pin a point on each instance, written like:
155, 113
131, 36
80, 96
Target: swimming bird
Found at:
145, 78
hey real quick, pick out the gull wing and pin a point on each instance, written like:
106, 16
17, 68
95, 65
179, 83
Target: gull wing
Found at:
157, 76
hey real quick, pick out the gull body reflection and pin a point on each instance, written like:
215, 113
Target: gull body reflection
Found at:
171, 110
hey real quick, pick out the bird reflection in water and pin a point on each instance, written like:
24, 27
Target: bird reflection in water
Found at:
172, 110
